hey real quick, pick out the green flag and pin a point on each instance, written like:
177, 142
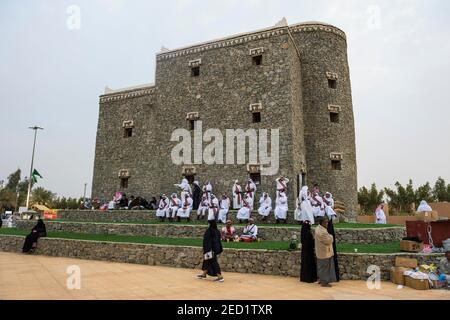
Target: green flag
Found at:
35, 175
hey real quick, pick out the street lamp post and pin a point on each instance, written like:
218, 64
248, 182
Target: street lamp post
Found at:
35, 128
84, 194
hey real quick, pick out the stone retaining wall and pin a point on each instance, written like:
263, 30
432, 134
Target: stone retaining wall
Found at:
144, 215
367, 236
287, 263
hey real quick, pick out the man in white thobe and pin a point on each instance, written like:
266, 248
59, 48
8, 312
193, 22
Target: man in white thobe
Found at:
329, 206
250, 189
318, 204
174, 205
186, 207
185, 188
163, 208
207, 190
203, 208
224, 207
250, 232
282, 184
380, 217
244, 213
237, 195
306, 210
281, 207
213, 208
265, 205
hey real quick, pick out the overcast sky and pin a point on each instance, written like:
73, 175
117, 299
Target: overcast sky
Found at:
51, 75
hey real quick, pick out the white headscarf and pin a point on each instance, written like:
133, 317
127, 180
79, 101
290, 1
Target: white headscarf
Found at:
303, 193
424, 207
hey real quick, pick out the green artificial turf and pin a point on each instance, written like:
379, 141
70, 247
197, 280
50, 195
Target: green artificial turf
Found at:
389, 247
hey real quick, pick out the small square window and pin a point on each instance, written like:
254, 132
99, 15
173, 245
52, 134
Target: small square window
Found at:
123, 183
195, 71
256, 177
191, 124
334, 117
336, 164
128, 132
257, 60
256, 117
332, 83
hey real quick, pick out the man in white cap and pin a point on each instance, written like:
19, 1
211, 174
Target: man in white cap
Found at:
224, 207
265, 206
174, 205
203, 207
186, 207
237, 195
213, 208
163, 208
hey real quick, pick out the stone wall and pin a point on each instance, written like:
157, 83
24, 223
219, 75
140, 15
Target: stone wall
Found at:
365, 236
286, 263
144, 215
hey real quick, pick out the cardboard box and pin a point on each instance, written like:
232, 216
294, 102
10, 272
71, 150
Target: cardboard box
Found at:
428, 216
405, 262
411, 246
397, 276
418, 284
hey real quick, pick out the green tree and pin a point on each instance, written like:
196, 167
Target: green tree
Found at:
13, 180
424, 192
441, 190
369, 199
42, 196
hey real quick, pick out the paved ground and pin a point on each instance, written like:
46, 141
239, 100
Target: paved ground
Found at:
41, 277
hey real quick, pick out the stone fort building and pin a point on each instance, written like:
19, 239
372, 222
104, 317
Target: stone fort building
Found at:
291, 77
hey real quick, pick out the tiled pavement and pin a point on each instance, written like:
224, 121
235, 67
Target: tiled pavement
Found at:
40, 277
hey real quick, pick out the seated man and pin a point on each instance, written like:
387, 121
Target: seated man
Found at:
250, 232
203, 208
265, 206
244, 213
186, 207
163, 208
444, 266
174, 205
228, 232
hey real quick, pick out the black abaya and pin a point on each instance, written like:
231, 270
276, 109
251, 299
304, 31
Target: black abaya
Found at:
330, 230
38, 231
196, 197
308, 269
212, 242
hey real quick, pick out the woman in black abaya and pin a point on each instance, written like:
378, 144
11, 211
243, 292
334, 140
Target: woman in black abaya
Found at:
330, 230
308, 269
38, 231
212, 247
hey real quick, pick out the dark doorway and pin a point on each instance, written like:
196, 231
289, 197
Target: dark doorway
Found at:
190, 178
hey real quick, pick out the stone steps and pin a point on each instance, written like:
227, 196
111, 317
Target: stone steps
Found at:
287, 263
176, 230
